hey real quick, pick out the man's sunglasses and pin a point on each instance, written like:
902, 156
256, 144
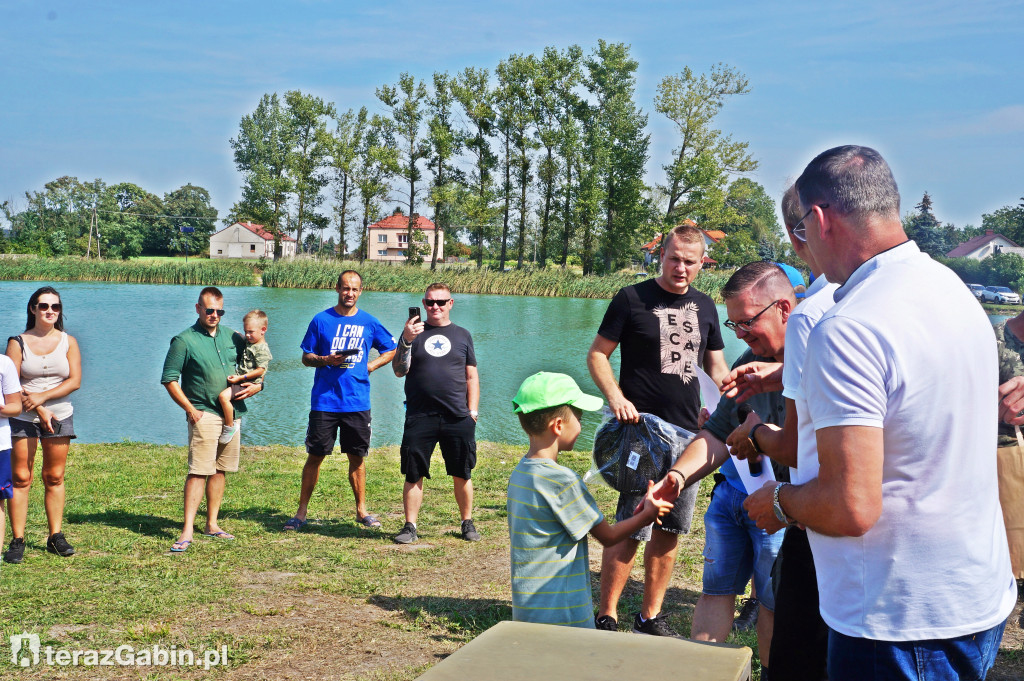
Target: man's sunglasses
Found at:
748, 325
43, 307
211, 310
799, 231
439, 303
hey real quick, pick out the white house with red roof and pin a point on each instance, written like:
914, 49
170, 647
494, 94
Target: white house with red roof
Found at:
389, 238
981, 247
248, 241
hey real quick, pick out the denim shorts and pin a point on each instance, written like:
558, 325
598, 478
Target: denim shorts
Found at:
965, 657
734, 549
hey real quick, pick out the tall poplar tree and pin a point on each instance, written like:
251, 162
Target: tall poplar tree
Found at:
472, 91
309, 156
406, 103
262, 149
445, 142
348, 138
697, 176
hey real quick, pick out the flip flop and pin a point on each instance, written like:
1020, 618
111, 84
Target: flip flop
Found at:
219, 535
181, 546
368, 521
295, 524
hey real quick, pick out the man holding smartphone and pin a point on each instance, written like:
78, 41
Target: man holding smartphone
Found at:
337, 344
442, 392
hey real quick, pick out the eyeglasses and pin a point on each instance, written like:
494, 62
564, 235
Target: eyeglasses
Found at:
212, 310
799, 231
746, 326
440, 303
43, 307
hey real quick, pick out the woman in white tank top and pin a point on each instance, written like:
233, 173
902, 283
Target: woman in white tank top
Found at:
50, 366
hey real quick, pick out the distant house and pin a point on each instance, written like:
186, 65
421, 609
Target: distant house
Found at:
981, 247
248, 241
389, 238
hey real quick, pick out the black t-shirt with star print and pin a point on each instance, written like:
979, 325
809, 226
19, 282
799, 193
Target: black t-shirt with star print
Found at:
436, 383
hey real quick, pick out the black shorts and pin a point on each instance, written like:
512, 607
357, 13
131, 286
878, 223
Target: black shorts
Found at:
456, 435
350, 429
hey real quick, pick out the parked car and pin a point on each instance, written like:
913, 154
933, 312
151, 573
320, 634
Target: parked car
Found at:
976, 289
999, 294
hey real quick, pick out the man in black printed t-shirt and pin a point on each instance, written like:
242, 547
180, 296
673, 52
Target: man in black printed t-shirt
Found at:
666, 330
442, 394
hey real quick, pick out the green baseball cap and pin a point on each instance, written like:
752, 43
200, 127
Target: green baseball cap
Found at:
544, 390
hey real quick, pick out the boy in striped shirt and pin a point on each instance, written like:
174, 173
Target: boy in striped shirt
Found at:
550, 510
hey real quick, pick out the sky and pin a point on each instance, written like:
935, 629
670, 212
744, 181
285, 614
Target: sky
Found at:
151, 93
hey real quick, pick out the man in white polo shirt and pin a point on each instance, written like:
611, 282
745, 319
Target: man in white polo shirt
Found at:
900, 383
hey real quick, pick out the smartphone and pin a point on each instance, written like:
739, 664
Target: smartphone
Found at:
347, 352
414, 312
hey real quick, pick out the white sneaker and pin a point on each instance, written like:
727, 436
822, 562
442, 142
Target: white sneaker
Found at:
229, 432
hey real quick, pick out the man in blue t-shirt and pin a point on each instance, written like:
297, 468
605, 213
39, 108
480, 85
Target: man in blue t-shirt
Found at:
337, 344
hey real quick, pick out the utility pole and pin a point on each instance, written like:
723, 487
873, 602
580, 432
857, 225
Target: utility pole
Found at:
92, 221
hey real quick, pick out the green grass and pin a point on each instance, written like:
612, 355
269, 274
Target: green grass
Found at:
197, 272
323, 274
123, 587
333, 601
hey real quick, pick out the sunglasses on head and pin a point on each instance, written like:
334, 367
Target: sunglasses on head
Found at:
211, 310
43, 307
439, 303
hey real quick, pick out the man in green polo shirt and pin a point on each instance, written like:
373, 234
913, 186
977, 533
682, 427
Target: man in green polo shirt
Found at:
196, 369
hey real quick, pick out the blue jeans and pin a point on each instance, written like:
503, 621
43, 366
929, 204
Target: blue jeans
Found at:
967, 657
734, 549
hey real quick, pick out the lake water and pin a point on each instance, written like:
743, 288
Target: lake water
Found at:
124, 331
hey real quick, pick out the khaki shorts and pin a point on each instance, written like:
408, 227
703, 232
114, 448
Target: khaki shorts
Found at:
206, 455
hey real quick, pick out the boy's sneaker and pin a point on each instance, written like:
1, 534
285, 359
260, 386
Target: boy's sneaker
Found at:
407, 534
747, 618
59, 545
605, 623
656, 626
229, 432
16, 551
469, 532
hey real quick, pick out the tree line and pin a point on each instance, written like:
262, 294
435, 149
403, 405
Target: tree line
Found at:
540, 160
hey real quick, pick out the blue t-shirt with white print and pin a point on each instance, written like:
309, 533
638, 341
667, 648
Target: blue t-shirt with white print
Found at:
344, 388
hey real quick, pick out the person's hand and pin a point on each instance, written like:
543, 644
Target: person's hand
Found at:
248, 390
193, 416
236, 378
665, 490
739, 442
624, 410
1011, 401
654, 505
702, 417
760, 506
745, 381
46, 419
334, 360
30, 401
413, 328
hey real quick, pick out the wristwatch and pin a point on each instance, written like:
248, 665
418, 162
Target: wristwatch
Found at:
474, 413
779, 513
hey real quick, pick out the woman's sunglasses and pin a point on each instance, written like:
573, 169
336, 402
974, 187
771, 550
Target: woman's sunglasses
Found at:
43, 307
